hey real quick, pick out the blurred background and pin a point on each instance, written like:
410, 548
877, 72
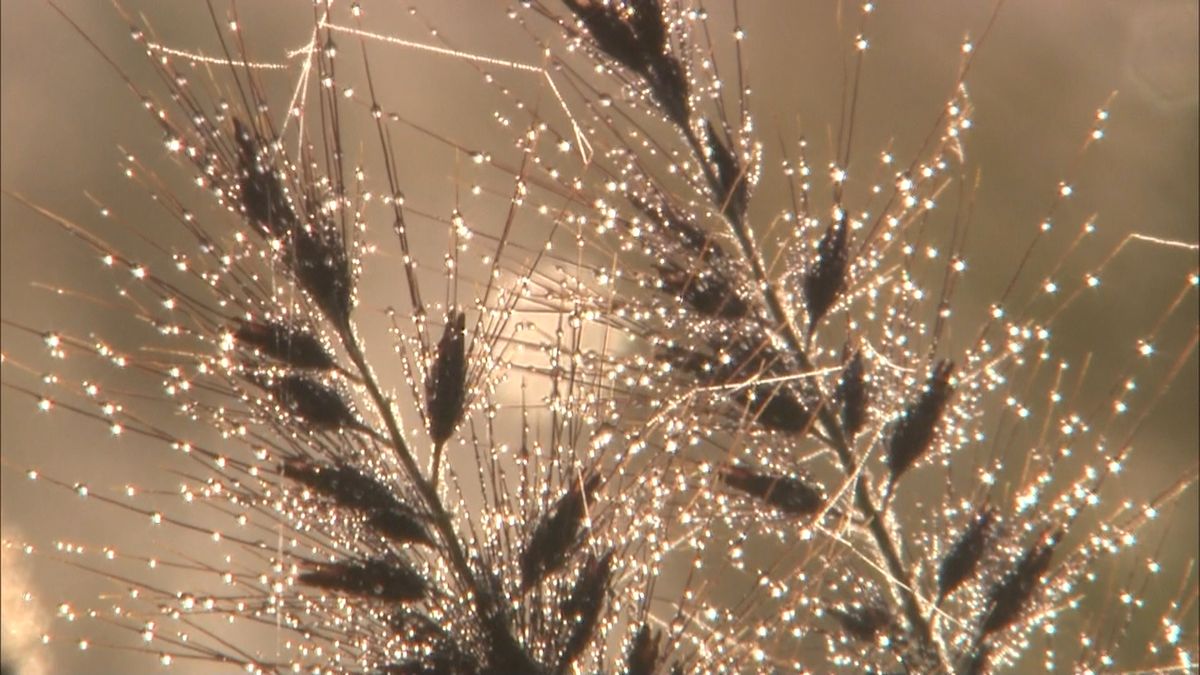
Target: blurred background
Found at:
67, 119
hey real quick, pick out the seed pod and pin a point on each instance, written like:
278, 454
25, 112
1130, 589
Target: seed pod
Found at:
915, 431
731, 189
387, 579
446, 386
964, 556
582, 608
320, 406
1007, 599
707, 292
349, 488
852, 394
555, 534
643, 653
790, 495
827, 277
291, 345
862, 622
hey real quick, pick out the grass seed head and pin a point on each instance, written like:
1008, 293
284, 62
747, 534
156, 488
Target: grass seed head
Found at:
915, 431
290, 345
389, 579
446, 386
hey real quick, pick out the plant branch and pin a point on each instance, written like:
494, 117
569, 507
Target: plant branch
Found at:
492, 619
835, 438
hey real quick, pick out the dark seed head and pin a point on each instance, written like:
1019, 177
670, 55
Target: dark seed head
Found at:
442, 656
291, 345
963, 558
852, 394
506, 656
862, 622
446, 387
731, 189
707, 292
387, 579
316, 253
351, 489
263, 198
827, 277
681, 231
790, 495
322, 269
612, 33
779, 408
555, 534
916, 429
638, 41
320, 406
643, 653
582, 608
1008, 598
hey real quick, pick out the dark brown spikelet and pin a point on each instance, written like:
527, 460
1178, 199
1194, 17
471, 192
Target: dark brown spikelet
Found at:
916, 429
707, 292
322, 269
555, 534
290, 345
643, 653
783, 411
862, 622
731, 187
682, 232
827, 277
790, 495
582, 608
441, 655
352, 489
852, 395
963, 558
320, 406
386, 579
506, 656
316, 253
663, 72
263, 197
1008, 598
637, 39
446, 387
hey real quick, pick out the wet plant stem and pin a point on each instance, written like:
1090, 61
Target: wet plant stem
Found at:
863, 501
492, 620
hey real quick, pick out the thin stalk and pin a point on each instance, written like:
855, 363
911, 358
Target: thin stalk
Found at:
483, 599
863, 502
